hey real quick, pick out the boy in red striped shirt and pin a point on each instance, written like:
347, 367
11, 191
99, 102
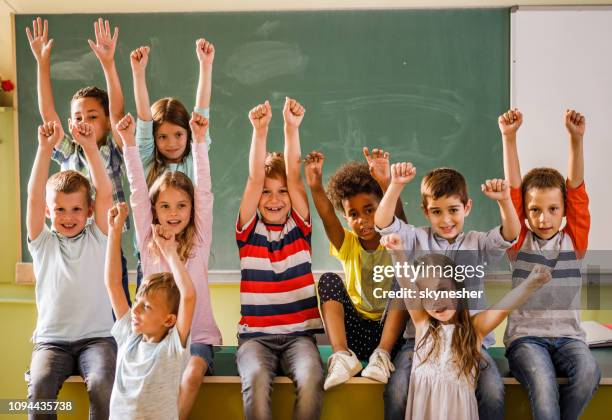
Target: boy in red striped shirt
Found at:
278, 302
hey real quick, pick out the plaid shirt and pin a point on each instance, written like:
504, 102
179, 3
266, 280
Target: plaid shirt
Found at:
69, 155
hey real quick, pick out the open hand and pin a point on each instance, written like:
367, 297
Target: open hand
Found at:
378, 163
313, 168
40, 44
105, 45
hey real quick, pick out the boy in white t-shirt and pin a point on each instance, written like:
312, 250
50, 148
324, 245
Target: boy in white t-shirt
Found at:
152, 337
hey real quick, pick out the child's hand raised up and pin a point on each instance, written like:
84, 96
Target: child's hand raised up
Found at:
293, 112
50, 134
575, 123
205, 51
378, 162
83, 134
199, 126
126, 129
139, 58
260, 116
116, 217
104, 47
510, 122
313, 168
40, 44
393, 242
496, 189
165, 241
539, 276
402, 173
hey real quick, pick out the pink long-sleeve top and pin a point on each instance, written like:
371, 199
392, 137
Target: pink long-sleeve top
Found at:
203, 328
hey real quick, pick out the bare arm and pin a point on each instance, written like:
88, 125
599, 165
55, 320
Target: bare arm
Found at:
293, 113
498, 190
379, 165
41, 47
138, 60
313, 169
205, 51
104, 49
260, 117
509, 123
575, 124
83, 134
401, 174
48, 135
112, 267
486, 321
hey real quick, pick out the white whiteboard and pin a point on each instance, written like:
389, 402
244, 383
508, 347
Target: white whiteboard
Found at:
562, 58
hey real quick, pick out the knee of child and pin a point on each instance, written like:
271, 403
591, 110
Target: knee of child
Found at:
99, 385
192, 378
257, 377
309, 378
587, 375
43, 386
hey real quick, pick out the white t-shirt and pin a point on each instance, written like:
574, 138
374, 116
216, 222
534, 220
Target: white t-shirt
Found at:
148, 375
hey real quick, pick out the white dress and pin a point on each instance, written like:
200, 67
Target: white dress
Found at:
436, 391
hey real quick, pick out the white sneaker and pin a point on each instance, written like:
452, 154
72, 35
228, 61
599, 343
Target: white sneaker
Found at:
379, 367
341, 366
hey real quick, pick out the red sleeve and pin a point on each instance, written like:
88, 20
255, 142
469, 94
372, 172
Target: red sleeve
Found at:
243, 232
517, 201
304, 225
577, 218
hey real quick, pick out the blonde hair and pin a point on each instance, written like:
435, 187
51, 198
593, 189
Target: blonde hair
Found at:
275, 166
70, 182
162, 282
181, 182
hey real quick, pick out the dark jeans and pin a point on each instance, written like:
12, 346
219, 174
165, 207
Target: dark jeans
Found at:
52, 363
536, 362
489, 389
258, 360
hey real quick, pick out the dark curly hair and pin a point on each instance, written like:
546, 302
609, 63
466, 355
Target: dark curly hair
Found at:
349, 180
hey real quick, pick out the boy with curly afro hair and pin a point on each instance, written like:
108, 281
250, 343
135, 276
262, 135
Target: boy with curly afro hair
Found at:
352, 312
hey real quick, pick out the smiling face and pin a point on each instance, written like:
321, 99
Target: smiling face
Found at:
544, 210
442, 309
173, 209
91, 111
274, 203
171, 141
447, 215
359, 213
68, 211
151, 315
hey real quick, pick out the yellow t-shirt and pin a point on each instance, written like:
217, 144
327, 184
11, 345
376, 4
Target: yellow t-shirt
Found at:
358, 265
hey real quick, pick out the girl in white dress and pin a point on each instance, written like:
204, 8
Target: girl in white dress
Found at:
449, 340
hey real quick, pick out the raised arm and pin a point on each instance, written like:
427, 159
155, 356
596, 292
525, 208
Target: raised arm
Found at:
401, 174
379, 165
486, 321
293, 113
49, 134
139, 59
205, 52
575, 124
112, 267
260, 117
41, 47
313, 169
509, 124
83, 134
104, 49
166, 242
498, 190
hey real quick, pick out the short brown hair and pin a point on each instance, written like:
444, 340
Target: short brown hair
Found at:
162, 282
349, 180
442, 182
275, 166
543, 178
93, 92
68, 182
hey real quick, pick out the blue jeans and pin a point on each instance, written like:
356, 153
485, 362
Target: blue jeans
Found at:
258, 361
52, 363
489, 389
536, 362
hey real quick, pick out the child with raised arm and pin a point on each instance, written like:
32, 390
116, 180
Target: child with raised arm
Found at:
186, 210
89, 104
278, 302
153, 337
353, 310
446, 204
544, 339
448, 353
74, 320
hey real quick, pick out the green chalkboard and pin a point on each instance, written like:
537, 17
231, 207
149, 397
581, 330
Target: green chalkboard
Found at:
425, 84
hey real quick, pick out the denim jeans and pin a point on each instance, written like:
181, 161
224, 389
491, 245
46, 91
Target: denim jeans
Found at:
258, 361
536, 362
489, 389
52, 363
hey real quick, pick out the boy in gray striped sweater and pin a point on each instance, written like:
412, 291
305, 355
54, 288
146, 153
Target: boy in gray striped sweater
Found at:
544, 338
